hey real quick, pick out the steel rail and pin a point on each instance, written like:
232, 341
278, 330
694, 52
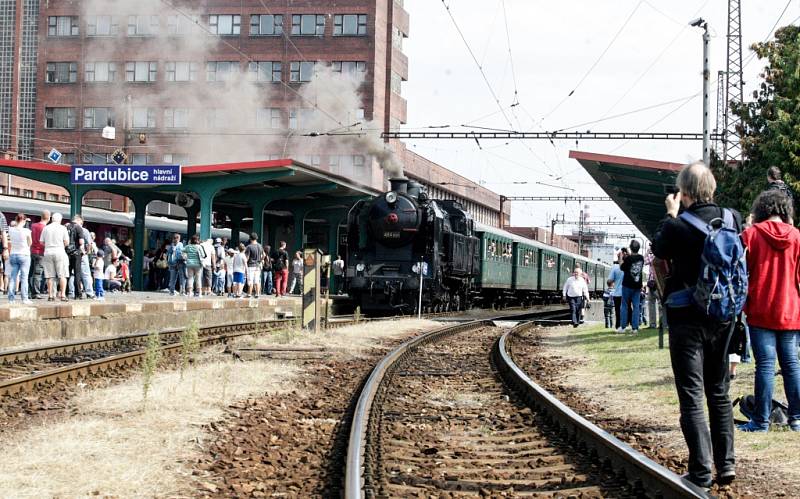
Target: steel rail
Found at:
363, 414
75, 371
67, 347
650, 477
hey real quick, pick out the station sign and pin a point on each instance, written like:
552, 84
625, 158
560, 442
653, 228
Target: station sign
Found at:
126, 174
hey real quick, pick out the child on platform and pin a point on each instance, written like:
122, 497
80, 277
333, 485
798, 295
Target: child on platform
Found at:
608, 304
125, 275
97, 274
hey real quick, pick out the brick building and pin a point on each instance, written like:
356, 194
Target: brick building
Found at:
194, 82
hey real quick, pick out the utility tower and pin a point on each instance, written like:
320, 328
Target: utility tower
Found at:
734, 88
718, 127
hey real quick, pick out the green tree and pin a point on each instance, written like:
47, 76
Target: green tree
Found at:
770, 124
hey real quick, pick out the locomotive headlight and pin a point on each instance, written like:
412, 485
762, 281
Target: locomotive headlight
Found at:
360, 267
391, 197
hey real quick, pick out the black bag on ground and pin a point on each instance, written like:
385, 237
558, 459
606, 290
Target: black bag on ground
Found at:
747, 404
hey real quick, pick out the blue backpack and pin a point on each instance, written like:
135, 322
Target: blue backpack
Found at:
721, 288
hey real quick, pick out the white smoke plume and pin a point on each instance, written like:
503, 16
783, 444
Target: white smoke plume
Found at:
327, 107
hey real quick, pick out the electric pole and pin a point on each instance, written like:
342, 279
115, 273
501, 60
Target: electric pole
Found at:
734, 88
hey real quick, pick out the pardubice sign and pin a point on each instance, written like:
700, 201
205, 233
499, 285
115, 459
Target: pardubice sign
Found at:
126, 174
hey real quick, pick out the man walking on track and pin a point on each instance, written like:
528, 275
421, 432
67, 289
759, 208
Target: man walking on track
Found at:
575, 291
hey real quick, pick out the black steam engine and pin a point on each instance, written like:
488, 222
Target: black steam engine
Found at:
394, 237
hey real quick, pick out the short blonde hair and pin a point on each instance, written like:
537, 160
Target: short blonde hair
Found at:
696, 181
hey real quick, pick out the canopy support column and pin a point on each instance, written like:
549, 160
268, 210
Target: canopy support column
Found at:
137, 270
206, 213
76, 193
191, 221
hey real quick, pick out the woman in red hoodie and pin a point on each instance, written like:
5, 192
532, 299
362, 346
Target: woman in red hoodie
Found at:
773, 304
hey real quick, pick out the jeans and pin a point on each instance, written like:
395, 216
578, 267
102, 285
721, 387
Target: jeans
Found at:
746, 359
652, 308
20, 265
575, 305
767, 345
36, 276
699, 355
194, 278
630, 307
608, 315
266, 277
75, 270
177, 274
86, 276
99, 292
219, 281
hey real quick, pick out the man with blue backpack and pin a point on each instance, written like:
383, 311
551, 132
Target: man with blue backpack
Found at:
704, 293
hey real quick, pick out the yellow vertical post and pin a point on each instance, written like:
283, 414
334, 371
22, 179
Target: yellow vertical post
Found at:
311, 289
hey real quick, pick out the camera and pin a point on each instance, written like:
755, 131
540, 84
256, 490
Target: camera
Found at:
697, 22
671, 189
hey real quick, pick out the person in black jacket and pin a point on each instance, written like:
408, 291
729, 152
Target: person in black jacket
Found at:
697, 343
775, 182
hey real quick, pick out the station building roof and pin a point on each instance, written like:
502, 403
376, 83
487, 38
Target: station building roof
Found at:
636, 185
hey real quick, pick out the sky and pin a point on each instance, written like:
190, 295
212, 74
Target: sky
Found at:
535, 53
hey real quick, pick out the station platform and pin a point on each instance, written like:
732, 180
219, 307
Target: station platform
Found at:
125, 313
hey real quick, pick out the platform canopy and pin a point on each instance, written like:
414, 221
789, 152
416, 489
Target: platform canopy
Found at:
237, 191
636, 185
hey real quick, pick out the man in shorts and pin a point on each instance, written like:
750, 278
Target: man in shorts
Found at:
255, 255
55, 261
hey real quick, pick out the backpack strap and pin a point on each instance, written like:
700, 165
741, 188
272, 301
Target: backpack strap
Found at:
727, 218
695, 221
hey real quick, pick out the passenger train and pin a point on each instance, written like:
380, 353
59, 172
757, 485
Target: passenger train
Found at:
394, 237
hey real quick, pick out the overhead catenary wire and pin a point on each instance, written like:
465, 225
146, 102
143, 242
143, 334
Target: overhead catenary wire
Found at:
596, 62
752, 55
628, 113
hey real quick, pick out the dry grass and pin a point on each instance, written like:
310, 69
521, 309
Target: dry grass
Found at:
632, 378
352, 340
113, 448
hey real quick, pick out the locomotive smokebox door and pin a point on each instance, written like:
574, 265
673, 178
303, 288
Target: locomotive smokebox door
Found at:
311, 289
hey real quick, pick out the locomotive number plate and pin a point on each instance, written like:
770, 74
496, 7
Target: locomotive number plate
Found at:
391, 235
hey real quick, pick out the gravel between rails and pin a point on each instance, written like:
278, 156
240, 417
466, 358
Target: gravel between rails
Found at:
636, 430
449, 428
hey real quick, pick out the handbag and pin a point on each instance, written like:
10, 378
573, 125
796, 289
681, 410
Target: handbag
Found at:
161, 263
738, 341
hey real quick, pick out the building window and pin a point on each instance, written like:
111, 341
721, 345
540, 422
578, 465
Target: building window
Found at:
52, 197
96, 159
14, 191
142, 25
175, 159
62, 72
312, 160
98, 117
350, 25
59, 117
102, 203
221, 70
41, 195
266, 25
264, 71
216, 118
308, 24
68, 158
144, 117
139, 158
301, 71
181, 71
141, 71
176, 117
348, 165
397, 83
180, 25
268, 117
397, 38
224, 24
102, 26
300, 118
355, 69
64, 198
62, 26
27, 193
100, 71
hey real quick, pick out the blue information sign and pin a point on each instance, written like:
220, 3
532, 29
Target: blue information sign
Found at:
126, 174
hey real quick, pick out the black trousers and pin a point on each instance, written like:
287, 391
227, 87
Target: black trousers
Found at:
575, 308
699, 354
35, 276
75, 270
617, 307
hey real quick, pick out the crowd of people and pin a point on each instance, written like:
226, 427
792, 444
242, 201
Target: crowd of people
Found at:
701, 339
49, 259
216, 267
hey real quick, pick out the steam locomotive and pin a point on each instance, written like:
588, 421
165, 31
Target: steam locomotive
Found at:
403, 239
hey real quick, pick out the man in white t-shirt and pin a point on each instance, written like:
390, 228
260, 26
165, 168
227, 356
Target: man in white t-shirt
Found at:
55, 261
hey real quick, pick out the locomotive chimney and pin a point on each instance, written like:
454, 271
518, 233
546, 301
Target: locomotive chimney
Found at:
399, 185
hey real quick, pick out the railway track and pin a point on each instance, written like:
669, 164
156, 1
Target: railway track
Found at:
30, 368
449, 414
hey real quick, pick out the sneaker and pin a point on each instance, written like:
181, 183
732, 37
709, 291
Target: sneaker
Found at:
27, 302
620, 330
751, 427
794, 426
703, 484
635, 332
726, 477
